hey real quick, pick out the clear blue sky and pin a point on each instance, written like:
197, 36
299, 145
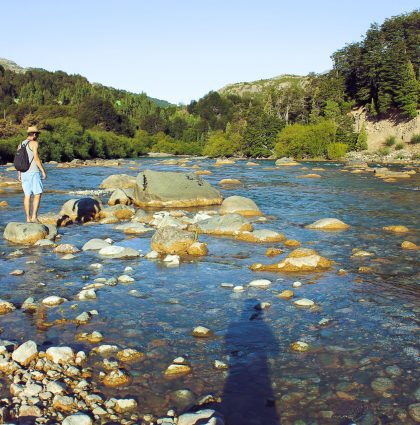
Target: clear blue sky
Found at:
179, 50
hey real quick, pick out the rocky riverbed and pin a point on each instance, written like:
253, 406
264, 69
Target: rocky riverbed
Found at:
279, 297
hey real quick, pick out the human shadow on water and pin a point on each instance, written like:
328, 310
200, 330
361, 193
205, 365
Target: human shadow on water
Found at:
248, 397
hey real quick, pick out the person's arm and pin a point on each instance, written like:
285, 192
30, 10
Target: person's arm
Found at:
37, 160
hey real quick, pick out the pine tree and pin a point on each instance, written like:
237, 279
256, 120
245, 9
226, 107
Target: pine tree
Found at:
361, 144
407, 91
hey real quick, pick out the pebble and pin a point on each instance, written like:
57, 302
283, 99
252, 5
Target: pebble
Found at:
414, 411
177, 369
201, 332
6, 307
227, 285
124, 278
300, 346
17, 272
96, 266
286, 294
220, 365
304, 302
78, 419
382, 385
297, 284
260, 283
238, 288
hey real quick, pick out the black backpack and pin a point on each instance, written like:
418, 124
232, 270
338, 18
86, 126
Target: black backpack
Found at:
21, 160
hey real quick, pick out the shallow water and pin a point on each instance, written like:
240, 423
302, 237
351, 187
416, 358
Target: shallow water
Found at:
373, 316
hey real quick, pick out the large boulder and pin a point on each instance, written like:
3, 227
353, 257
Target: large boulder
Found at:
118, 181
240, 205
299, 260
26, 233
170, 240
171, 189
228, 225
81, 210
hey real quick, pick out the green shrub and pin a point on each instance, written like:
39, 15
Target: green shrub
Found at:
415, 138
219, 145
336, 150
311, 140
399, 146
384, 151
390, 141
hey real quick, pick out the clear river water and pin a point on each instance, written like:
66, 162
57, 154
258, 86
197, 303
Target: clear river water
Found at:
363, 363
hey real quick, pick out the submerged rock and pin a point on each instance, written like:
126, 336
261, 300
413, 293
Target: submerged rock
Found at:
285, 161
116, 251
301, 259
170, 240
261, 236
409, 245
95, 245
396, 229
171, 189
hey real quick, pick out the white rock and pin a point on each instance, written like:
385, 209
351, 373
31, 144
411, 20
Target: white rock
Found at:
123, 405
60, 355
297, 284
260, 283
152, 255
238, 288
78, 419
96, 265
304, 302
95, 245
116, 251
86, 294
124, 278
53, 300
25, 353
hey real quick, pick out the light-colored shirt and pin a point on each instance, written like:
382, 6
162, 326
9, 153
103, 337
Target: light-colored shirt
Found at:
33, 167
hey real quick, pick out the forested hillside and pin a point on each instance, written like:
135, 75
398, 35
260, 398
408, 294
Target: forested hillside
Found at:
288, 115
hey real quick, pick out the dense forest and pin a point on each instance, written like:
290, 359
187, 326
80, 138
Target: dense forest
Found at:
305, 117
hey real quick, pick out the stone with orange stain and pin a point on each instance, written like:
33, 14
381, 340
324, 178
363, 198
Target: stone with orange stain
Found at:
291, 243
309, 176
396, 229
202, 172
301, 259
225, 225
409, 245
239, 205
198, 249
261, 236
116, 378
272, 252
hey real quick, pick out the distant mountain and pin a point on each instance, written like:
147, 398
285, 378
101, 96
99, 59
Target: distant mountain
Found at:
259, 86
13, 66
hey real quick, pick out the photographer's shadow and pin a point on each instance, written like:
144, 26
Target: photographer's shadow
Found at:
248, 397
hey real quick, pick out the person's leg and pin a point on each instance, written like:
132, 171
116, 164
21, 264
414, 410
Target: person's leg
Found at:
27, 206
35, 206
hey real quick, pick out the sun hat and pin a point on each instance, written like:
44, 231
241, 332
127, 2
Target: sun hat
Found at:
33, 129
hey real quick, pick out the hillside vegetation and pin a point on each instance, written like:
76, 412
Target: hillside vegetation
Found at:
305, 117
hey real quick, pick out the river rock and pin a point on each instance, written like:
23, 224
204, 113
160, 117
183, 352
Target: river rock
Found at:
171, 189
116, 378
66, 248
260, 283
328, 224
300, 346
201, 332
118, 181
133, 228
286, 162
202, 417
413, 411
304, 302
301, 259
141, 216
286, 294
78, 419
121, 196
409, 245
25, 233
123, 405
95, 245
177, 369
396, 229
169, 240
53, 300
81, 210
228, 182
25, 353
120, 212
116, 251
239, 205
261, 236
228, 225
273, 252
45, 242
381, 385
198, 249
130, 355
60, 355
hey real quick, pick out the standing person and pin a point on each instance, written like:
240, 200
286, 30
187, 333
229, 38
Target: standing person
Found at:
31, 179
